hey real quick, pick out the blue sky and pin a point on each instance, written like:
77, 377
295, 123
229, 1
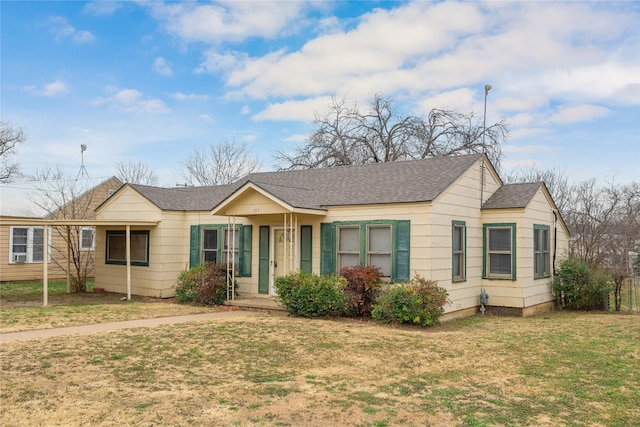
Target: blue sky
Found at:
151, 81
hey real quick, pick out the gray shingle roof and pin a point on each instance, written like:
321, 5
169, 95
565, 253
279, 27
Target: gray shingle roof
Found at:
394, 182
185, 198
512, 196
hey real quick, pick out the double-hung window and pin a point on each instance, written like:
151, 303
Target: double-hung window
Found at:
541, 251
499, 251
381, 243
458, 249
86, 238
26, 244
231, 244
348, 246
379, 248
116, 251
216, 242
210, 245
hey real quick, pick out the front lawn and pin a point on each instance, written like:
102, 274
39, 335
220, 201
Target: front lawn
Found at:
26, 291
553, 370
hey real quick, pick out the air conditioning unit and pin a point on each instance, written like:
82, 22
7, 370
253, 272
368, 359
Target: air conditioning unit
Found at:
19, 257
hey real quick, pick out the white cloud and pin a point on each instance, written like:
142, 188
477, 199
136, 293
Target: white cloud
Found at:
206, 118
304, 110
63, 30
190, 96
132, 101
161, 67
228, 21
102, 7
300, 137
54, 89
51, 89
579, 113
458, 100
221, 62
245, 110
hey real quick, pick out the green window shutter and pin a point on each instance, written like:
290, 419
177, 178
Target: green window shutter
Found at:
305, 248
400, 267
245, 250
194, 246
327, 248
263, 260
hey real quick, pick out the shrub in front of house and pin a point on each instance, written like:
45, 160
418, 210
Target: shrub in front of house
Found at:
361, 290
421, 302
203, 284
310, 295
577, 286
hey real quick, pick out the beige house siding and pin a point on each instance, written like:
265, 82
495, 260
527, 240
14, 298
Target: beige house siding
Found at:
12, 272
526, 290
85, 204
461, 202
430, 237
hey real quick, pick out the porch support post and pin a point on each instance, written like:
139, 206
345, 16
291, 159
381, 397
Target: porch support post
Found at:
233, 259
68, 259
128, 255
45, 262
284, 247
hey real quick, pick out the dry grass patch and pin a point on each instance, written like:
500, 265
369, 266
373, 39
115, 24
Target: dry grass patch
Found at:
562, 369
14, 319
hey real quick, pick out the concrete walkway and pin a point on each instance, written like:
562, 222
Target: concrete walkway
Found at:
102, 327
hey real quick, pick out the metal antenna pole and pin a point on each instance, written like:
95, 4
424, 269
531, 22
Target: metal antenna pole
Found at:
487, 88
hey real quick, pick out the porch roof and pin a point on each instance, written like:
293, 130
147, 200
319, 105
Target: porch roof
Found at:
17, 220
513, 196
379, 183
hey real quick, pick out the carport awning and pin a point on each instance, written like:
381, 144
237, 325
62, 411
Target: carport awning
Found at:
18, 221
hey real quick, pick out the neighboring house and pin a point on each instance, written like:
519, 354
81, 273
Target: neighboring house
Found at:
22, 238
448, 219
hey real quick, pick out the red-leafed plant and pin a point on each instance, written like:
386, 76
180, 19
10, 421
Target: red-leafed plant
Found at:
363, 286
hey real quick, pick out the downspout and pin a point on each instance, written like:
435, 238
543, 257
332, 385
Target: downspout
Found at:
555, 239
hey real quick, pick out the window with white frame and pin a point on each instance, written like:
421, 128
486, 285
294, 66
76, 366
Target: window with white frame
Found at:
348, 246
499, 245
231, 238
379, 248
210, 245
541, 251
26, 245
87, 238
459, 237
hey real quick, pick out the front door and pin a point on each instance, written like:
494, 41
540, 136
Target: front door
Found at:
281, 248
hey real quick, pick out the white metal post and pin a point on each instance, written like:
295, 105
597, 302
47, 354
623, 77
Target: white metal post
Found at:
128, 255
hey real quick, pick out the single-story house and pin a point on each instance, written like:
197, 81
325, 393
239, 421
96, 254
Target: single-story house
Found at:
449, 219
22, 238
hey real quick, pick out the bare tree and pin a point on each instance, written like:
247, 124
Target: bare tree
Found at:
64, 197
623, 236
136, 172
605, 226
555, 180
10, 138
347, 135
217, 164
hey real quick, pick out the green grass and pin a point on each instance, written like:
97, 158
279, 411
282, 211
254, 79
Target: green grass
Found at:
24, 291
558, 369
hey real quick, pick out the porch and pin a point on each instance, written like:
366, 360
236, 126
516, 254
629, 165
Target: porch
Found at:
256, 304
